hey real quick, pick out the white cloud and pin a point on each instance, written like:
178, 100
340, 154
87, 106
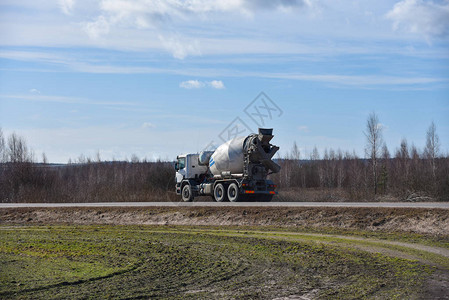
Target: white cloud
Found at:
216, 84
381, 126
200, 27
66, 6
148, 125
72, 63
97, 28
35, 91
191, 84
422, 17
37, 97
162, 17
303, 128
355, 80
276, 4
196, 84
180, 48
159, 11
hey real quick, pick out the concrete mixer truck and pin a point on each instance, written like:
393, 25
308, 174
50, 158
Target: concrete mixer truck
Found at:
236, 171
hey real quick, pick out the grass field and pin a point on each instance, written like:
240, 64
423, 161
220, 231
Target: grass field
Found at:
139, 262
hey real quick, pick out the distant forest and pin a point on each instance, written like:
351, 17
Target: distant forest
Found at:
409, 174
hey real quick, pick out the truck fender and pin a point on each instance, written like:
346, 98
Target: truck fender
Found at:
192, 184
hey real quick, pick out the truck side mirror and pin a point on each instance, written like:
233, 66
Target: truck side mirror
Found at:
176, 166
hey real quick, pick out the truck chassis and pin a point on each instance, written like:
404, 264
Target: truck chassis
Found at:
232, 189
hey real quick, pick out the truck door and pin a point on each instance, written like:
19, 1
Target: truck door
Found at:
180, 169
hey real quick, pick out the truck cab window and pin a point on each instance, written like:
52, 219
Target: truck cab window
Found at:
181, 163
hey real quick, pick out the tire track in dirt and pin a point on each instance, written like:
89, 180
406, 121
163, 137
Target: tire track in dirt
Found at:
436, 286
389, 248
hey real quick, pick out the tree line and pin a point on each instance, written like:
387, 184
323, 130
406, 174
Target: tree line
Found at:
408, 174
83, 180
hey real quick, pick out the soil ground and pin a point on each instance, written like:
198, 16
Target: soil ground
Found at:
224, 252
410, 220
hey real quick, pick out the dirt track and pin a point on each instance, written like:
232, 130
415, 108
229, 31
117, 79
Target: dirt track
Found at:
431, 250
416, 220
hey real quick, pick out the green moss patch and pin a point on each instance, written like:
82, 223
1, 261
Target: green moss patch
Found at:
124, 262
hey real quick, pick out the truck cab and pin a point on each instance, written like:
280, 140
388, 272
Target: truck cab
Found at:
188, 169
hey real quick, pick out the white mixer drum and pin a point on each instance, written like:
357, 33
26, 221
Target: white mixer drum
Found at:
228, 157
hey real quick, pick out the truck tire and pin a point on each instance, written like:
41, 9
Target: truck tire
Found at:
233, 192
187, 195
220, 193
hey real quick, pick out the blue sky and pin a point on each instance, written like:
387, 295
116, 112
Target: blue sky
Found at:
159, 78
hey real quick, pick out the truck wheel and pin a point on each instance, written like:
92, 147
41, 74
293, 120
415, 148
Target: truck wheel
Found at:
187, 195
233, 192
220, 193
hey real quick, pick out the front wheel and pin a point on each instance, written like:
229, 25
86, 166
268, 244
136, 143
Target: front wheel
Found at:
233, 192
187, 195
220, 193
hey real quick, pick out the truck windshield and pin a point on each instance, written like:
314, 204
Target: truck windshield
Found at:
181, 163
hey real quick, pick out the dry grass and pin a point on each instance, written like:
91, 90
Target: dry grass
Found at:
410, 220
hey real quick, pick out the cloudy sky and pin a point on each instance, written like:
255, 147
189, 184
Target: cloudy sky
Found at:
158, 78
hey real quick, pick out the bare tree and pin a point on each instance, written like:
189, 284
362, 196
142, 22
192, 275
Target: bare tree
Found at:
403, 151
17, 150
314, 176
322, 169
296, 171
386, 162
81, 159
432, 149
374, 142
340, 169
355, 173
296, 154
44, 158
332, 168
385, 153
402, 167
134, 159
2, 147
97, 156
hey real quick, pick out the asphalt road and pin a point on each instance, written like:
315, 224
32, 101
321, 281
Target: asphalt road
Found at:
443, 205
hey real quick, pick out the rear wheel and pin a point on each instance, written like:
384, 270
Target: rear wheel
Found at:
187, 195
233, 192
220, 193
